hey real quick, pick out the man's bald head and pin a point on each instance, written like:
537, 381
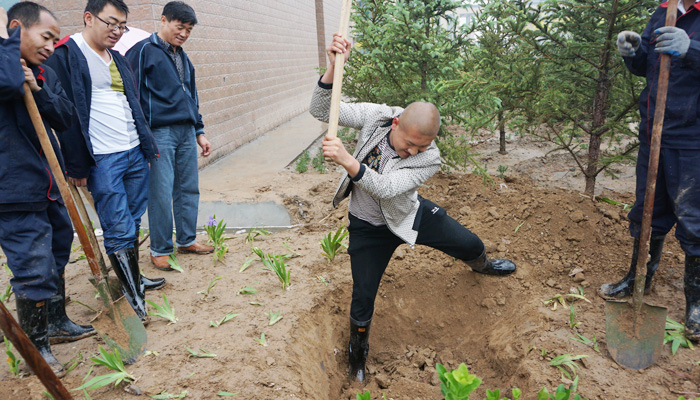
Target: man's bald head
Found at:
422, 116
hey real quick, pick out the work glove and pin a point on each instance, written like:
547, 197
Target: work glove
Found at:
672, 40
627, 43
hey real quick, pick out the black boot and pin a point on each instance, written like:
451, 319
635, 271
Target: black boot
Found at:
148, 284
692, 298
126, 268
152, 284
625, 287
34, 319
61, 328
358, 349
483, 265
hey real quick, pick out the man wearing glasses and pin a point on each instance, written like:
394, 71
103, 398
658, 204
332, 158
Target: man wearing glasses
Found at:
109, 146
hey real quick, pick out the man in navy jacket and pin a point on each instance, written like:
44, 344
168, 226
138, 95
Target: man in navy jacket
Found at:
677, 198
165, 77
35, 232
109, 144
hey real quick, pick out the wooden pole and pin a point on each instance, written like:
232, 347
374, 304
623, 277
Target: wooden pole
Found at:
653, 169
338, 71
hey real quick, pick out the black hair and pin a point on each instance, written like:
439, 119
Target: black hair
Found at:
95, 6
26, 12
178, 10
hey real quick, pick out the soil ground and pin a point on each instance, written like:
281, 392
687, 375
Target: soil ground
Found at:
430, 308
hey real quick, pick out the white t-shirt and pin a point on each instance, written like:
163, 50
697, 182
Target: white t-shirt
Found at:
681, 7
112, 127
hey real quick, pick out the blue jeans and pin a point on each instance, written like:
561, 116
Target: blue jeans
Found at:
174, 180
119, 185
677, 197
37, 246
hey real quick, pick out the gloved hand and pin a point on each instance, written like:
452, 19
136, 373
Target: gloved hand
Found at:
672, 40
627, 43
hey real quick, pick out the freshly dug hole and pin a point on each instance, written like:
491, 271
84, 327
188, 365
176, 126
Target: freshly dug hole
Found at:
446, 314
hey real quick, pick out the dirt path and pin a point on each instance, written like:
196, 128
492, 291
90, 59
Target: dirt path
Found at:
430, 308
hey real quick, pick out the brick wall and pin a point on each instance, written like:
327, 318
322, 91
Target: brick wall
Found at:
255, 60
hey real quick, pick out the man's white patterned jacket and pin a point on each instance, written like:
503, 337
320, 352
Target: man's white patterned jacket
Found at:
396, 188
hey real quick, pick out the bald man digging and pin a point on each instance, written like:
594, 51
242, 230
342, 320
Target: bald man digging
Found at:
395, 154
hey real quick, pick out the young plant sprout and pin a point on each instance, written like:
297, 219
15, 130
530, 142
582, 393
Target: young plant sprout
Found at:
248, 289
204, 353
675, 334
246, 263
12, 360
223, 320
332, 244
275, 317
112, 361
174, 263
278, 266
164, 311
567, 363
212, 283
216, 238
303, 162
319, 162
588, 342
254, 233
262, 341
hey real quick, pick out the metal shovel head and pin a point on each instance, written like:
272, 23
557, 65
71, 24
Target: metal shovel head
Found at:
120, 327
634, 339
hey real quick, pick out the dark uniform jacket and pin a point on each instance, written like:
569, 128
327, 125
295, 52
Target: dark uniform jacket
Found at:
71, 66
682, 117
25, 177
164, 99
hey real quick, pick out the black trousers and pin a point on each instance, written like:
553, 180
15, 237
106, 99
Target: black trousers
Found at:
371, 248
37, 245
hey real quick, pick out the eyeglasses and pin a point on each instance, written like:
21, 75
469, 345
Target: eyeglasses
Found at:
114, 27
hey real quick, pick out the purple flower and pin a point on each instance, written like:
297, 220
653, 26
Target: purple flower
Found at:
212, 221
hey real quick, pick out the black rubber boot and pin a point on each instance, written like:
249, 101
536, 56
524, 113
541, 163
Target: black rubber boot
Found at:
625, 287
148, 283
61, 328
692, 298
33, 317
152, 284
483, 265
127, 270
358, 350
136, 245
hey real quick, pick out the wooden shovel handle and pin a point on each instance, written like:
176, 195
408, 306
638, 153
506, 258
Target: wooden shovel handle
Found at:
62, 184
653, 169
338, 72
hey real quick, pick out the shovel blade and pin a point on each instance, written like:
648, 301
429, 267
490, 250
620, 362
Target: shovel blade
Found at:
122, 329
634, 339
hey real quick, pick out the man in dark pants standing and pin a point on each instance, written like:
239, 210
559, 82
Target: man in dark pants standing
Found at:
677, 197
35, 231
165, 79
109, 145
395, 154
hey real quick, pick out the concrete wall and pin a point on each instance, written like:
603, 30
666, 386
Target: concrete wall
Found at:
255, 60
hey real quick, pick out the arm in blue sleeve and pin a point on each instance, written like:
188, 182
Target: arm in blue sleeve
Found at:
692, 57
11, 72
199, 125
53, 103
